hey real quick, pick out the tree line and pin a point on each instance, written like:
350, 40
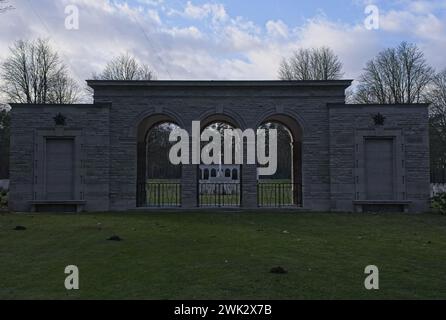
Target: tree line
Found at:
34, 73
399, 75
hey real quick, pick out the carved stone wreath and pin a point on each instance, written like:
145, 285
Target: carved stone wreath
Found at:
379, 119
60, 119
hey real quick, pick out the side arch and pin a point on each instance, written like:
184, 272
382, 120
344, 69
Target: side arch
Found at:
165, 113
142, 130
285, 117
296, 132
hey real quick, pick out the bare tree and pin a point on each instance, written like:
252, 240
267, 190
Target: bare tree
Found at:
125, 67
5, 119
65, 90
436, 96
396, 75
4, 6
33, 73
311, 64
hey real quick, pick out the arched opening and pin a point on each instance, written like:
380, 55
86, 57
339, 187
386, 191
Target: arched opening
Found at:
219, 188
159, 181
284, 188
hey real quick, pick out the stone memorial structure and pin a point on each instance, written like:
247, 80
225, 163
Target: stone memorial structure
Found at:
346, 157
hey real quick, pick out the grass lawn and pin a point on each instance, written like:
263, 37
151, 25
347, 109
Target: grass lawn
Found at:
223, 255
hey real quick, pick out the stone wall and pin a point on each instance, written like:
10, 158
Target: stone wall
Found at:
248, 104
407, 123
27, 124
108, 135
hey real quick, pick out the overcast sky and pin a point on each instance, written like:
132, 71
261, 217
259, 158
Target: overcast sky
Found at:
227, 39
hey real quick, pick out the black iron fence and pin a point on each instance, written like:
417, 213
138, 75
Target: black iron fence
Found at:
161, 195
438, 175
279, 195
219, 195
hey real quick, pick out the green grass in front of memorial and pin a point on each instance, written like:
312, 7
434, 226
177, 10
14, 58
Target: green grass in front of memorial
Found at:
223, 255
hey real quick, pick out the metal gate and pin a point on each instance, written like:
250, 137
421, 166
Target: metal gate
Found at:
219, 195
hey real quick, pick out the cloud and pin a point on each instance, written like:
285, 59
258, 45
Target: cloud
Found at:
277, 28
354, 44
151, 2
187, 33
205, 42
406, 22
425, 7
216, 11
420, 22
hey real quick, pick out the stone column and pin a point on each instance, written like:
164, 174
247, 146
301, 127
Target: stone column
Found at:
141, 196
189, 179
249, 186
189, 186
297, 173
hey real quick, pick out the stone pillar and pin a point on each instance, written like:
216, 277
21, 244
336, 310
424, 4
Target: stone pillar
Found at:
189, 186
141, 196
189, 178
249, 186
297, 173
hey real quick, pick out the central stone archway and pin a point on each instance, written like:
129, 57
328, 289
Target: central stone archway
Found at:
219, 185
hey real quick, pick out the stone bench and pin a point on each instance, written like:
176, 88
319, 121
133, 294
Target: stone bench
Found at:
381, 205
58, 205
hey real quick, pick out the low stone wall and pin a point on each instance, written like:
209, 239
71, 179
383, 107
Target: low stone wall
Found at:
437, 188
4, 184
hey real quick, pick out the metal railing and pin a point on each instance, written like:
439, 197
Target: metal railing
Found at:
219, 195
162, 195
279, 195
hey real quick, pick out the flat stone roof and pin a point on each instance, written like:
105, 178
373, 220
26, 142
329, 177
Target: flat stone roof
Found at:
369, 105
75, 105
219, 83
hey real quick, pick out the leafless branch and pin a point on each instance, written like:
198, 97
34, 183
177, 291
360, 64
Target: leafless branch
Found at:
395, 75
33, 73
311, 64
125, 67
